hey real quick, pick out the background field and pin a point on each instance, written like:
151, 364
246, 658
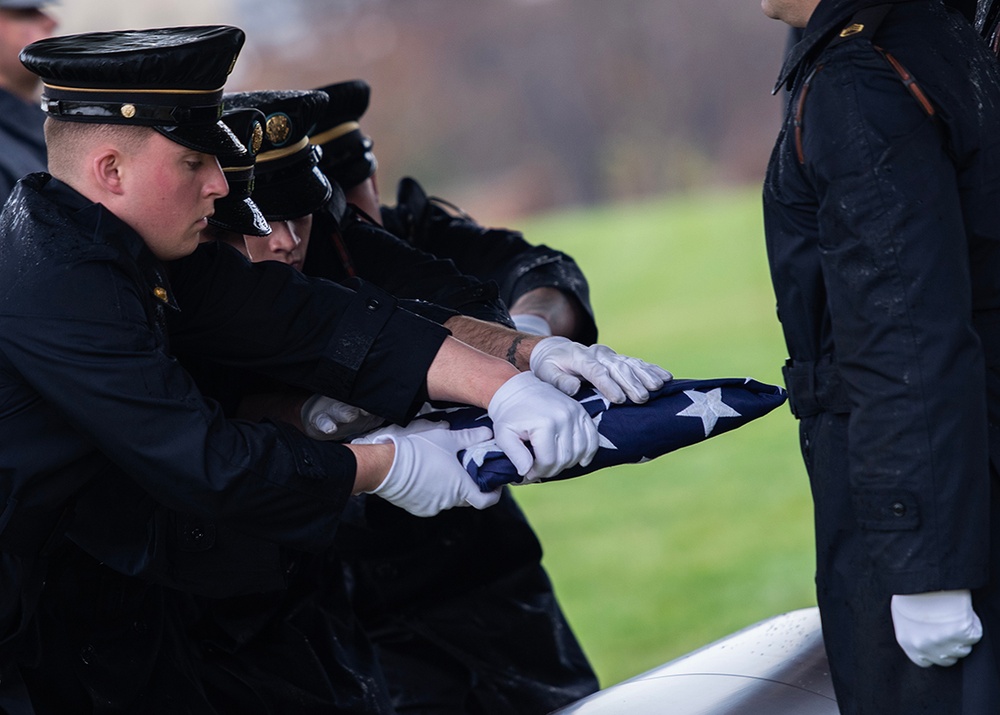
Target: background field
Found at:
652, 561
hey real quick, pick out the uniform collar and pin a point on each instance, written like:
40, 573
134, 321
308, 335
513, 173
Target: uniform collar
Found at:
107, 228
828, 16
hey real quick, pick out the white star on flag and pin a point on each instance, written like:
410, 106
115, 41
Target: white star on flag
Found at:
603, 441
708, 406
597, 397
479, 452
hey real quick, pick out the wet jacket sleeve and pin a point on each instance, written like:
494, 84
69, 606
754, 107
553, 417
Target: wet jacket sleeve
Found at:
490, 254
895, 263
356, 345
97, 363
409, 273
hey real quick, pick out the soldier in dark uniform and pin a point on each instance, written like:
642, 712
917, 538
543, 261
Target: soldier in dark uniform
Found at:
454, 633
101, 269
882, 219
527, 659
21, 138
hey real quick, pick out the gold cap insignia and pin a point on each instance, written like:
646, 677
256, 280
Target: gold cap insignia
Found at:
256, 137
279, 126
852, 29
128, 110
161, 293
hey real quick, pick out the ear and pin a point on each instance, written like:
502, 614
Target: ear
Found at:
106, 167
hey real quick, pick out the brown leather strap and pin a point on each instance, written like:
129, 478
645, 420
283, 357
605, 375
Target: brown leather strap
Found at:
864, 24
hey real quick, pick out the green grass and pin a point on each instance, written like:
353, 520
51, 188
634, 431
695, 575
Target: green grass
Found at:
652, 561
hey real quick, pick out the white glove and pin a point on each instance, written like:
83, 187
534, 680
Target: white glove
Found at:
426, 476
326, 418
531, 324
936, 628
560, 431
563, 363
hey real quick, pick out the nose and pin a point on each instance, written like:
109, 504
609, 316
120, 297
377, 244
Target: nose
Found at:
282, 238
216, 185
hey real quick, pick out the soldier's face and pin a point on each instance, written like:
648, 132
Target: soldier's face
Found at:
171, 193
287, 243
794, 12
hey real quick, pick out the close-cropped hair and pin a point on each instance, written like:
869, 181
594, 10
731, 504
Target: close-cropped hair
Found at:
64, 140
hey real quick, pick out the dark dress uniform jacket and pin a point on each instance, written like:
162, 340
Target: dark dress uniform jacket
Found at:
882, 216
88, 387
349, 245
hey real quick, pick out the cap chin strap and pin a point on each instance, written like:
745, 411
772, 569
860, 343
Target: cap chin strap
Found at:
129, 113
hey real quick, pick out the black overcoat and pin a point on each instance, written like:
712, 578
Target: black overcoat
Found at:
882, 218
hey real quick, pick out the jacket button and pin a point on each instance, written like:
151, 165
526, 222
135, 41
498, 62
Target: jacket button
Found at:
899, 509
372, 304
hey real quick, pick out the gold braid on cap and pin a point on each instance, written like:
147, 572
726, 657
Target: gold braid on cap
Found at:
335, 133
276, 154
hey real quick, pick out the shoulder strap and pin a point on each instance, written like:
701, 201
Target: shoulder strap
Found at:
863, 25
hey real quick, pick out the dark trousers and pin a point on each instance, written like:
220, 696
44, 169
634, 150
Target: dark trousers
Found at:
116, 644
871, 674
461, 613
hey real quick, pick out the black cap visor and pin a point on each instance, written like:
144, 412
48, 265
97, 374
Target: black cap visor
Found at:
210, 138
237, 212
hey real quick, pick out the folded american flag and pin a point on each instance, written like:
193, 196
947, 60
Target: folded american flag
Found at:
681, 413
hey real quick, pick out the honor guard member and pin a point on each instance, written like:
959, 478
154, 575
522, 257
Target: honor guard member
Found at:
554, 669
882, 221
101, 257
21, 23
296, 638
250, 626
420, 584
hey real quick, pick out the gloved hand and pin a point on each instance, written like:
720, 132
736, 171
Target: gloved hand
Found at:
426, 476
326, 418
563, 363
936, 628
560, 431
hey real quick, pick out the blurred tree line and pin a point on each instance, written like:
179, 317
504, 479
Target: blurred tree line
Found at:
514, 106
